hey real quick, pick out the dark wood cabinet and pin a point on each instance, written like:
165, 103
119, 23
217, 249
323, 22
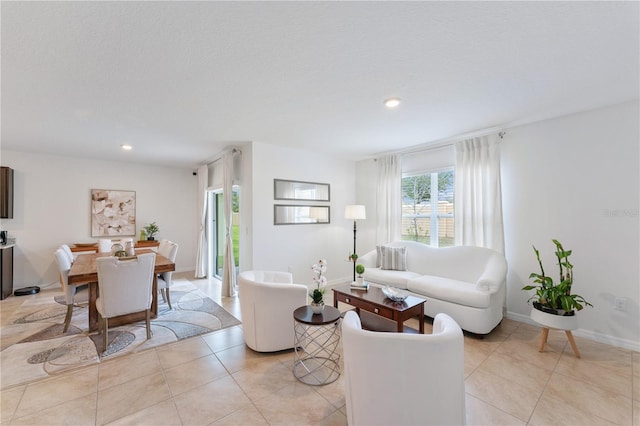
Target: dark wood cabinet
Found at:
6, 271
6, 192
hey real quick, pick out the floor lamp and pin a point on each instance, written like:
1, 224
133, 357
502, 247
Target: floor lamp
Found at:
355, 212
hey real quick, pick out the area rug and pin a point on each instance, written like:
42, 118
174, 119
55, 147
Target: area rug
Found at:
33, 345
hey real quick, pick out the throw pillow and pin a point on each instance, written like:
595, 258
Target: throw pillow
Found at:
393, 258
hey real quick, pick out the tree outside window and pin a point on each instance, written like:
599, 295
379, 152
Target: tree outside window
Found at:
427, 208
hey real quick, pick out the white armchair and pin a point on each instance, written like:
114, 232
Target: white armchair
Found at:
125, 288
267, 302
404, 379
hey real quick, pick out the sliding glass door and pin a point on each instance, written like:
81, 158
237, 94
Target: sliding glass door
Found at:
217, 230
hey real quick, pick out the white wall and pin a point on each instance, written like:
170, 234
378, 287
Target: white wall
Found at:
52, 206
576, 179
297, 247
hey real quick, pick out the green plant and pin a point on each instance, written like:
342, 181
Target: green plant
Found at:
151, 229
317, 296
353, 257
360, 269
554, 296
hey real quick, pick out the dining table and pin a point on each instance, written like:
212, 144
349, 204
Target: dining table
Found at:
84, 270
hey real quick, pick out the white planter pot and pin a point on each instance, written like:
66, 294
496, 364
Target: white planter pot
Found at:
559, 322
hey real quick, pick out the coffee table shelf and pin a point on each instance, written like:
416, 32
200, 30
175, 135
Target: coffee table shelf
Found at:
382, 309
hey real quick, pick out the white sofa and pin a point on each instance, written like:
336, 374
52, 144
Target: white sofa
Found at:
267, 302
466, 283
402, 378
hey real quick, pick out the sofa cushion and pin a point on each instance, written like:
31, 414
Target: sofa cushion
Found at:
397, 279
393, 258
454, 291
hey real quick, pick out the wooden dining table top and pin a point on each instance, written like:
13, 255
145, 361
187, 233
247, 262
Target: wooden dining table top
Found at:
85, 270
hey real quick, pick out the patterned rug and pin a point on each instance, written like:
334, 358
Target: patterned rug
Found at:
33, 346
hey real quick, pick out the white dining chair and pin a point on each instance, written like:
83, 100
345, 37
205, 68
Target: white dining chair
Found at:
169, 250
64, 265
104, 245
125, 287
68, 252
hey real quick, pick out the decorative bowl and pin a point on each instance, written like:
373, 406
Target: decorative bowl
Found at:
394, 294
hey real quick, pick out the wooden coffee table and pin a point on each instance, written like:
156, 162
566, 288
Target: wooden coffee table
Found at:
375, 302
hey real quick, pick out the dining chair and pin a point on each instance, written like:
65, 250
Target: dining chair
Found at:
169, 250
125, 288
68, 252
104, 245
64, 265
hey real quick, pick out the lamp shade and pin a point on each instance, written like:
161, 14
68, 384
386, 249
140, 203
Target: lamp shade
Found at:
355, 212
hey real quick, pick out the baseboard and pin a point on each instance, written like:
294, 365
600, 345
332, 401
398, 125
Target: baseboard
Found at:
587, 334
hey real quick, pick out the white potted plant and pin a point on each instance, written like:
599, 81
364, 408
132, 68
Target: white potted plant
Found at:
554, 304
317, 294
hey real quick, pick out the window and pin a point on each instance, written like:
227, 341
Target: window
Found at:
427, 208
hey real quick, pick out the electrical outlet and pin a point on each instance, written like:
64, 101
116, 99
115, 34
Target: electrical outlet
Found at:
621, 304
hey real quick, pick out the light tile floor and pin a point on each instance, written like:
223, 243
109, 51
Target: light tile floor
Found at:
215, 379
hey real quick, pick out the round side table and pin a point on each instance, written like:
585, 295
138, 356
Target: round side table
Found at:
316, 345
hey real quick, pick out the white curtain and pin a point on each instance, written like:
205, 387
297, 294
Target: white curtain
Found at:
229, 286
389, 199
478, 194
203, 247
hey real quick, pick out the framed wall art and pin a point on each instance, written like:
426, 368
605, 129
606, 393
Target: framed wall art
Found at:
113, 213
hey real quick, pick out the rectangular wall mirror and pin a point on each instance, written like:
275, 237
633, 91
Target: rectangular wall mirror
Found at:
296, 190
300, 215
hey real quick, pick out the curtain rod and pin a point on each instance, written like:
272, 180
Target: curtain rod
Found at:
443, 143
219, 157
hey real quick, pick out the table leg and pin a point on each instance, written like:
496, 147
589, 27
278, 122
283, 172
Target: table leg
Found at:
543, 338
573, 343
93, 311
421, 319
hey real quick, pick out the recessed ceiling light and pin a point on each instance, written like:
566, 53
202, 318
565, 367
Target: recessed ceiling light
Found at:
392, 102
126, 147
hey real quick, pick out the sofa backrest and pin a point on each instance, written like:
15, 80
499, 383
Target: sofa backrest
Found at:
464, 263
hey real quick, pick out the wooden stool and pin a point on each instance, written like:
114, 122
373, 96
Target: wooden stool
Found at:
557, 322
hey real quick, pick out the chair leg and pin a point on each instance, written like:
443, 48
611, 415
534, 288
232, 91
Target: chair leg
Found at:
105, 334
148, 320
164, 297
67, 318
166, 290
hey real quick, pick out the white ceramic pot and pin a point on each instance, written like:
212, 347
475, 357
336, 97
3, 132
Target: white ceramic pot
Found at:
560, 322
317, 308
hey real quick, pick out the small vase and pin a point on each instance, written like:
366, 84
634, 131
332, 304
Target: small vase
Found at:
317, 308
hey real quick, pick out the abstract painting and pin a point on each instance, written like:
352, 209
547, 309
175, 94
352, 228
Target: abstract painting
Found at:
113, 213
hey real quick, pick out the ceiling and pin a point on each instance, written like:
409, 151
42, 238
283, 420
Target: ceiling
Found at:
181, 81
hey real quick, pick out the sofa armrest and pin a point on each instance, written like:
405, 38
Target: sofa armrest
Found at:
369, 260
495, 274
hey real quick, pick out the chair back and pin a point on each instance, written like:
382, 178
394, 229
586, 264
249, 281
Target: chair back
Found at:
104, 245
267, 301
125, 285
404, 379
169, 250
68, 252
64, 265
